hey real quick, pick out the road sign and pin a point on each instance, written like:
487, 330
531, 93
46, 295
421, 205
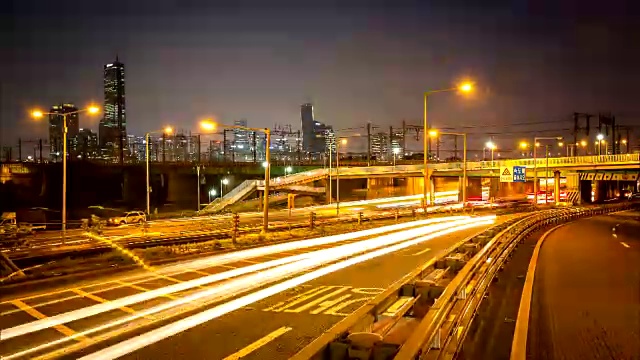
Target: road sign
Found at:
519, 174
506, 174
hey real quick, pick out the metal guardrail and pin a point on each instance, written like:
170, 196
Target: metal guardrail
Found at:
435, 303
441, 332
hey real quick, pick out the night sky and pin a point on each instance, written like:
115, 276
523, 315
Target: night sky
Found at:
357, 61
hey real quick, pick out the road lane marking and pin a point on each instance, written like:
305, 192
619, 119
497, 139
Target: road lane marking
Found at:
258, 343
327, 304
625, 244
138, 287
521, 331
297, 299
200, 272
100, 300
249, 261
38, 315
226, 266
334, 310
422, 252
311, 304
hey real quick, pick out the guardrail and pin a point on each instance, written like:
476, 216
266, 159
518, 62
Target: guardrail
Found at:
426, 313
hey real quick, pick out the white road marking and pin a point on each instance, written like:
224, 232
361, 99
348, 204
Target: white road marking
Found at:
625, 244
258, 344
422, 252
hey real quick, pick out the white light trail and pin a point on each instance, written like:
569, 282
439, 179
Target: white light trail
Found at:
343, 250
130, 345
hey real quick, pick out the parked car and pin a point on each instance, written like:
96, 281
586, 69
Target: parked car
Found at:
131, 217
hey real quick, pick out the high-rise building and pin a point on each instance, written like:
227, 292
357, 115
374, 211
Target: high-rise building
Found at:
241, 137
314, 133
113, 127
56, 126
87, 144
380, 146
397, 142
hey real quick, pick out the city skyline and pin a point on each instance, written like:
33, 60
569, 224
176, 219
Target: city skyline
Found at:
356, 63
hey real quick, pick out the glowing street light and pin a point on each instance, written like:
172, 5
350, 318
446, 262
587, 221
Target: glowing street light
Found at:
465, 87
535, 166
210, 125
37, 114
396, 151
223, 182
342, 142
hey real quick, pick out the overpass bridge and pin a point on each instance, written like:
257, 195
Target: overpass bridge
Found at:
603, 168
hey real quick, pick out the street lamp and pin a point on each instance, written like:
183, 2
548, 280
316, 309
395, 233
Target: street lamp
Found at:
600, 138
340, 142
465, 87
626, 145
212, 193
434, 133
223, 182
535, 165
396, 151
209, 125
38, 114
287, 171
167, 130
491, 145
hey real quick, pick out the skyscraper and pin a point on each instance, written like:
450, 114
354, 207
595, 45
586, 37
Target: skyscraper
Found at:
113, 127
314, 133
56, 127
241, 136
380, 146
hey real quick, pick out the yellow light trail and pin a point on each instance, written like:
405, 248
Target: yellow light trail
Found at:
320, 255
132, 344
305, 262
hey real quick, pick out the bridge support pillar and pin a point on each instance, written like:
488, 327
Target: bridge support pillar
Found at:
327, 191
556, 186
261, 202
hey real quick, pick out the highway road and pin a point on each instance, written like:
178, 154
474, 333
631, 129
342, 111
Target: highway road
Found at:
586, 292
262, 303
77, 238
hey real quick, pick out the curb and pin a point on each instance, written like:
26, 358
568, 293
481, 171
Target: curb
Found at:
519, 344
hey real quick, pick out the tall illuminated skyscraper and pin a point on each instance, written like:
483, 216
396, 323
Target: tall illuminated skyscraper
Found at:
317, 137
56, 128
113, 127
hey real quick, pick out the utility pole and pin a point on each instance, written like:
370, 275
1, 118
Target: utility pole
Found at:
254, 146
369, 144
199, 146
224, 145
164, 149
404, 137
455, 148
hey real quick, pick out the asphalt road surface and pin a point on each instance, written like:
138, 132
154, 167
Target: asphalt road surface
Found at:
247, 316
586, 294
49, 242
